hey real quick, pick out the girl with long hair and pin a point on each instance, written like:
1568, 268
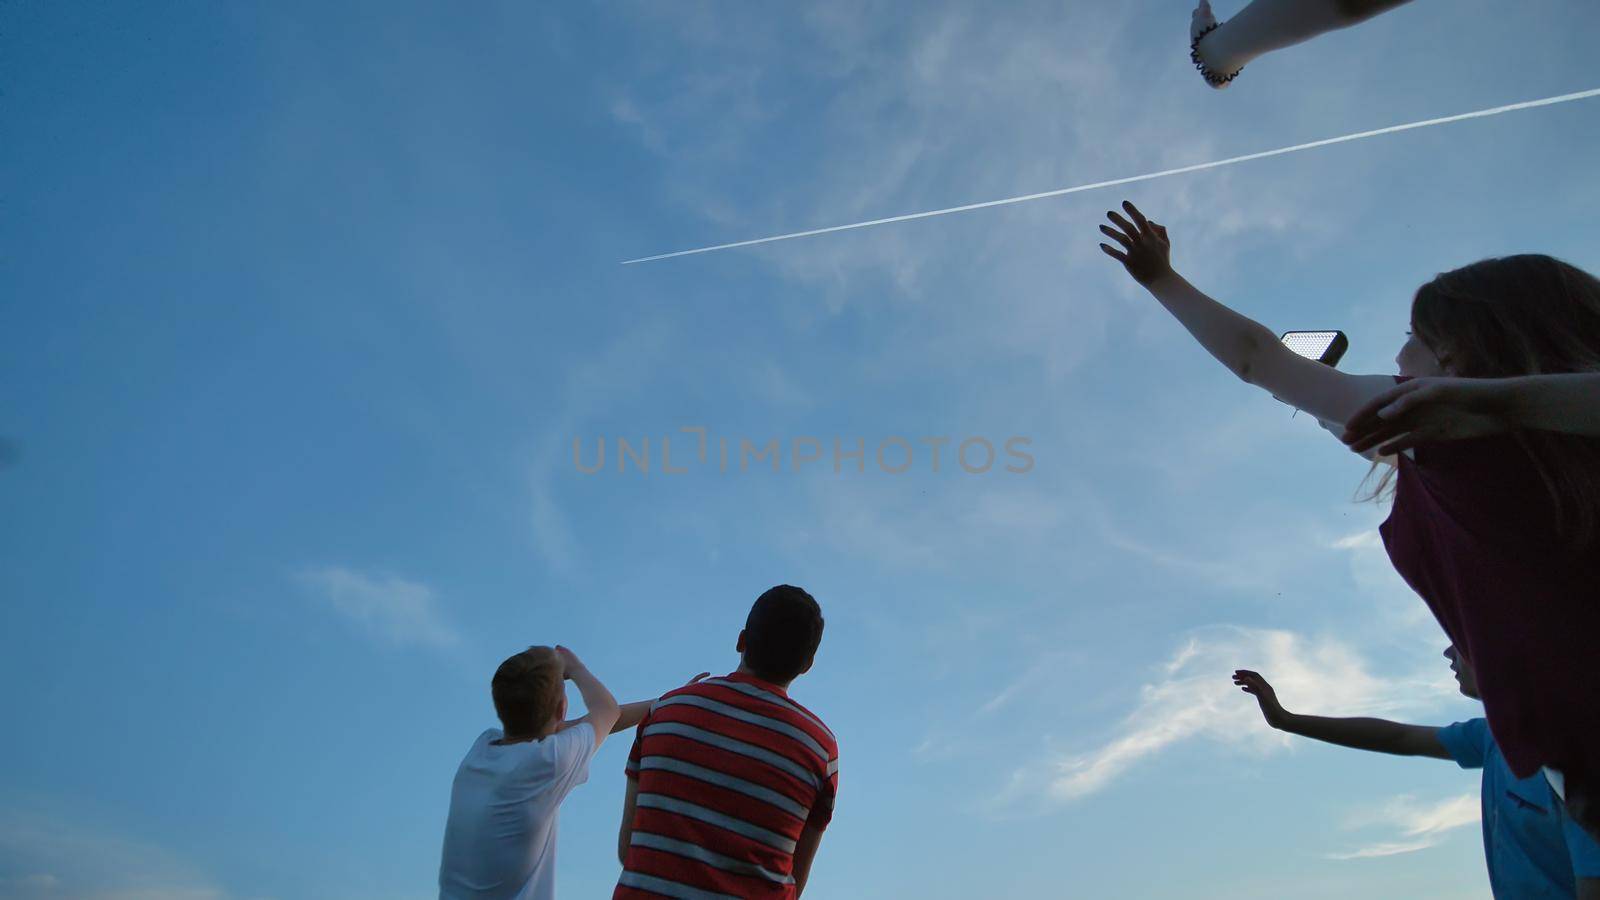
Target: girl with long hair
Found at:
1493, 427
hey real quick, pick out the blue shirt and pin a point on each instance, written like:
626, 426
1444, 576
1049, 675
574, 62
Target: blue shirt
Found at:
1532, 846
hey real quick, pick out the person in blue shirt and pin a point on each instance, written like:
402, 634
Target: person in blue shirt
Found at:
1533, 848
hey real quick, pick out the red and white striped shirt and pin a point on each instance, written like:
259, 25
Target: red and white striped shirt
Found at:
729, 771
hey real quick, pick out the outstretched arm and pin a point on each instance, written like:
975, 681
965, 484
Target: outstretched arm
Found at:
1247, 348
1438, 409
1377, 735
629, 715
1267, 25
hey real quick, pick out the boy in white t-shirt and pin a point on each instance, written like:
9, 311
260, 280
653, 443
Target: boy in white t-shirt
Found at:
500, 839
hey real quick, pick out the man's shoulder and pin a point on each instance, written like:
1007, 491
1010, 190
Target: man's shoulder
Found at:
759, 699
832, 742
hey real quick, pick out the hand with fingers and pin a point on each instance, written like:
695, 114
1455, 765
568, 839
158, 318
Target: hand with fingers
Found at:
1145, 252
1428, 409
1252, 683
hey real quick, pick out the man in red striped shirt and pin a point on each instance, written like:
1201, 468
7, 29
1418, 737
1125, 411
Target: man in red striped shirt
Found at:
731, 783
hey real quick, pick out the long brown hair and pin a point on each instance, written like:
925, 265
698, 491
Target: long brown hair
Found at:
1529, 314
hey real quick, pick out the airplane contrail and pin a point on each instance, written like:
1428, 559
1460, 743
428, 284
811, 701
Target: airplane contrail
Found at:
1425, 123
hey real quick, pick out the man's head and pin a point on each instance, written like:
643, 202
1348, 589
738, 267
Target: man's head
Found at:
1463, 672
781, 635
529, 694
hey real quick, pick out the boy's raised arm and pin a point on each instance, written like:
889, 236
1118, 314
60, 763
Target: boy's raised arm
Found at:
601, 710
1377, 735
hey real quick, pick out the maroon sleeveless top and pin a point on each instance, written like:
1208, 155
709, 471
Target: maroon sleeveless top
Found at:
1474, 531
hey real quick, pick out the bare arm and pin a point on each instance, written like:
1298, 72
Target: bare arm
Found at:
625, 833
1267, 25
630, 714
1247, 348
1569, 403
600, 707
805, 850
1377, 735
1439, 409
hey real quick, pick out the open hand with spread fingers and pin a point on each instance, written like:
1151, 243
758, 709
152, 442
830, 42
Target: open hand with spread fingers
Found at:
1144, 250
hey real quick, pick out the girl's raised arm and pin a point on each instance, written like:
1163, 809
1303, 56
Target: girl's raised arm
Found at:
1247, 348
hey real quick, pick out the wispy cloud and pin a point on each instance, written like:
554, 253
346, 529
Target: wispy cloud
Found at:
615, 372
1022, 683
1418, 825
1374, 575
954, 107
1193, 697
1130, 179
45, 858
384, 605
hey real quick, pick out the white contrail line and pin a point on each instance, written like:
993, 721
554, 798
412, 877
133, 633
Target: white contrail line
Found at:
1476, 114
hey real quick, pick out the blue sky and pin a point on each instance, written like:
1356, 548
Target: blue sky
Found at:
304, 304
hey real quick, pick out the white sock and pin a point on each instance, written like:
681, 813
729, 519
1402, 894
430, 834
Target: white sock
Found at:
1264, 26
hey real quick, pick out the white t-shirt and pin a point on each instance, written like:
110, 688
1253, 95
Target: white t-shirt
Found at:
500, 839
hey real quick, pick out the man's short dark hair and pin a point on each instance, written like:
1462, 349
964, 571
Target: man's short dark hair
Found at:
782, 633
527, 690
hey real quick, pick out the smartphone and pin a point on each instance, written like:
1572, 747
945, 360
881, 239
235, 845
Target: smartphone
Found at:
1326, 347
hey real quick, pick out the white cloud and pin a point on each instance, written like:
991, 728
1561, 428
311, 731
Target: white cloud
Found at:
1225, 573
1194, 697
1419, 825
386, 606
1361, 540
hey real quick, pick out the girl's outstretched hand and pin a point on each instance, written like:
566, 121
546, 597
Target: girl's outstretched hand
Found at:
1252, 683
1145, 249
1428, 409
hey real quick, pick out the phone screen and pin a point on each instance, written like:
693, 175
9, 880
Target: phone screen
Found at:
1326, 347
